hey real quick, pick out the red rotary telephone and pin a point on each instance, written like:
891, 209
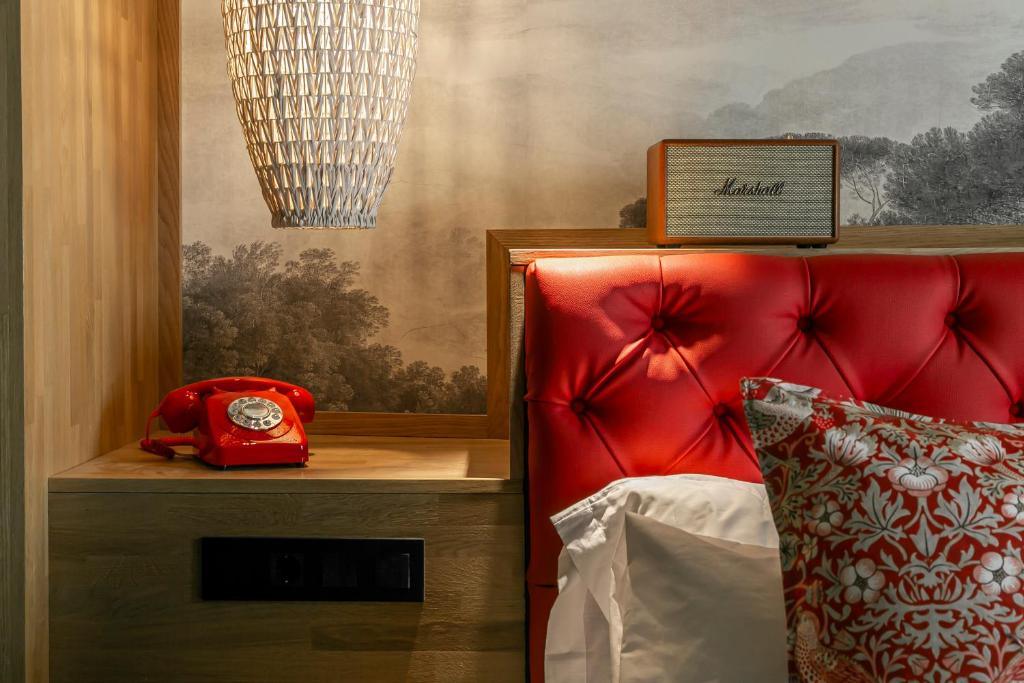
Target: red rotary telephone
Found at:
237, 421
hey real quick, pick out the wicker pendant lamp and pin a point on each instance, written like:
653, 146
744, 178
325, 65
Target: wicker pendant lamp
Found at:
322, 88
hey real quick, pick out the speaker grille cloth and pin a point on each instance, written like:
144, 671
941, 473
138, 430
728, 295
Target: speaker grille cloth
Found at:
803, 208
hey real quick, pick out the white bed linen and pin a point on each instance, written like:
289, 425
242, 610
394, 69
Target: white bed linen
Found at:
672, 578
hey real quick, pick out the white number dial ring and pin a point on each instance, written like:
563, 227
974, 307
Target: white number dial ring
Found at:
255, 413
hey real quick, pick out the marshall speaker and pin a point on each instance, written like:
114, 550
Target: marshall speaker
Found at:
743, 192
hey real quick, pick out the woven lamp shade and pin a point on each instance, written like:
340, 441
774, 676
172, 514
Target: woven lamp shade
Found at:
322, 88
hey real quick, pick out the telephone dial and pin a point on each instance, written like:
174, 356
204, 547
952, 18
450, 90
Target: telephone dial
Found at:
236, 421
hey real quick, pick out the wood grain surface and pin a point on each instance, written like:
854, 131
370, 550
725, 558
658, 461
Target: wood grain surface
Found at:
337, 464
168, 131
498, 341
12, 404
127, 608
914, 236
89, 117
523, 257
401, 424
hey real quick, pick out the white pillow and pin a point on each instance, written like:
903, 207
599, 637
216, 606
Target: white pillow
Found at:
668, 578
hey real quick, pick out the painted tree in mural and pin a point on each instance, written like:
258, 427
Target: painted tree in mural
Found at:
943, 176
307, 323
634, 215
933, 180
863, 166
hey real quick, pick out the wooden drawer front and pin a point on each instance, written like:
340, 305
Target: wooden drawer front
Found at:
124, 591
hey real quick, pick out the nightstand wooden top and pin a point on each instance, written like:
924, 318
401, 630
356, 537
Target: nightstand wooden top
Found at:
337, 464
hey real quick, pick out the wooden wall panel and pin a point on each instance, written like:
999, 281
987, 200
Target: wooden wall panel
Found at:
168, 26
12, 464
89, 105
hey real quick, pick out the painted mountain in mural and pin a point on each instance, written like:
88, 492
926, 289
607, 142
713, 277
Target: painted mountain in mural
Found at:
895, 92
963, 166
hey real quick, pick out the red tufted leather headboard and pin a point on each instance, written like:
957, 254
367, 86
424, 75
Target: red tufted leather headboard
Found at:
633, 362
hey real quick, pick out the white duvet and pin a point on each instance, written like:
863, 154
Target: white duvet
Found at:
671, 578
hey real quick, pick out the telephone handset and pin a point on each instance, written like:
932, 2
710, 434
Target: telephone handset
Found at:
236, 421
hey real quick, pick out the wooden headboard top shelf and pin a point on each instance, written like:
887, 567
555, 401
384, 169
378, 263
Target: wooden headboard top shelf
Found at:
337, 464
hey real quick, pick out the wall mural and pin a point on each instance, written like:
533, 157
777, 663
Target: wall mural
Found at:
537, 114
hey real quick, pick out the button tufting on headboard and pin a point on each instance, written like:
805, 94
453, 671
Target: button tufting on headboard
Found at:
648, 351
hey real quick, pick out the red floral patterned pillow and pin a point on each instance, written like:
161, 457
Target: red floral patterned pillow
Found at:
900, 538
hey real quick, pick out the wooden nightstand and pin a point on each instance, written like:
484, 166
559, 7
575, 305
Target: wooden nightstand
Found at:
124, 566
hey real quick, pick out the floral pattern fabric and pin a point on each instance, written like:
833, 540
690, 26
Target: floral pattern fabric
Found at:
900, 538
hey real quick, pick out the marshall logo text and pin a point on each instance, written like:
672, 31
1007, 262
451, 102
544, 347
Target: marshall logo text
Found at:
732, 188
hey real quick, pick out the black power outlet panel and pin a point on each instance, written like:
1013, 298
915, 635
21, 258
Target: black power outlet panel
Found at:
316, 569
